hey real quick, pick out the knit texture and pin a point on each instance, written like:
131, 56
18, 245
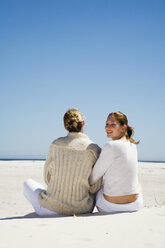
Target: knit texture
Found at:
66, 172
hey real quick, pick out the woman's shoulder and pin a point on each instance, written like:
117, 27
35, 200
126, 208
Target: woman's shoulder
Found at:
109, 145
115, 144
121, 146
95, 149
59, 141
107, 148
77, 141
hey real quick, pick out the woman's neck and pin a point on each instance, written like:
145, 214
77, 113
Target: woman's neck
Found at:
121, 138
124, 138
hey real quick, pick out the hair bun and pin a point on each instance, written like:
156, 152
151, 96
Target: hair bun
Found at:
73, 120
74, 124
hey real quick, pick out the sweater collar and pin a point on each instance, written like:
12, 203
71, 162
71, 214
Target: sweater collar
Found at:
77, 135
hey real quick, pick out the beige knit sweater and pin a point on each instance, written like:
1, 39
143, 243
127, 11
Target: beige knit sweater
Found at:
67, 169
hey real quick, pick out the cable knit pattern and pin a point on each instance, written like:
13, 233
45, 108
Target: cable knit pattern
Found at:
67, 170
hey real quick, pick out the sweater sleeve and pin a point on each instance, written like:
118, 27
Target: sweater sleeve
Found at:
95, 149
47, 166
102, 164
95, 187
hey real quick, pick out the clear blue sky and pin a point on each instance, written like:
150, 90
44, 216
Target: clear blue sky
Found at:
95, 55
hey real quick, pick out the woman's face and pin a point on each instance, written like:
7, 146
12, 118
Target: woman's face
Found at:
114, 129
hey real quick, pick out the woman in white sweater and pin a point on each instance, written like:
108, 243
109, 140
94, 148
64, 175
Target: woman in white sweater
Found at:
66, 172
118, 165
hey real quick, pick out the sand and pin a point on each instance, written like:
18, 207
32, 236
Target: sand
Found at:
21, 227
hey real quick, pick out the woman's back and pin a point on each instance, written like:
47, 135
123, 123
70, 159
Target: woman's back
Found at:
121, 177
67, 171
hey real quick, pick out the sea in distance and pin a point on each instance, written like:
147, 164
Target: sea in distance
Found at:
42, 159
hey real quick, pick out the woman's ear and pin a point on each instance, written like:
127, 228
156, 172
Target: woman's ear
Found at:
82, 129
66, 128
124, 128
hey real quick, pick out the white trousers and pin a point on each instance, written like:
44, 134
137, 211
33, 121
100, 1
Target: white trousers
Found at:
108, 207
31, 192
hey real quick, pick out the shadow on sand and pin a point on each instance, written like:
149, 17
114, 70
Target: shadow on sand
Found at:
35, 216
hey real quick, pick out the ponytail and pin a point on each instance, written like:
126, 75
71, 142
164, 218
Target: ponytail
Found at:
129, 133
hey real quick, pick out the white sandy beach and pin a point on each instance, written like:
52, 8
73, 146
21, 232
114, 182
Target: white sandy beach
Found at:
20, 226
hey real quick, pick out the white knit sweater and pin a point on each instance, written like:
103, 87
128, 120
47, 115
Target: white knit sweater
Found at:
118, 165
67, 170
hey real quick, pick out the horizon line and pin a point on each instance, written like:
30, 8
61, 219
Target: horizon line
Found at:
43, 159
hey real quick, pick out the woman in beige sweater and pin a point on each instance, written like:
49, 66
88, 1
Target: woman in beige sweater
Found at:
66, 172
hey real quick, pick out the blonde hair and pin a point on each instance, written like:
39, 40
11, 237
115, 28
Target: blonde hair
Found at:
122, 119
73, 120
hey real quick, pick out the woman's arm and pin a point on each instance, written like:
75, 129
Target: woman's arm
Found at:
102, 164
95, 187
47, 166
